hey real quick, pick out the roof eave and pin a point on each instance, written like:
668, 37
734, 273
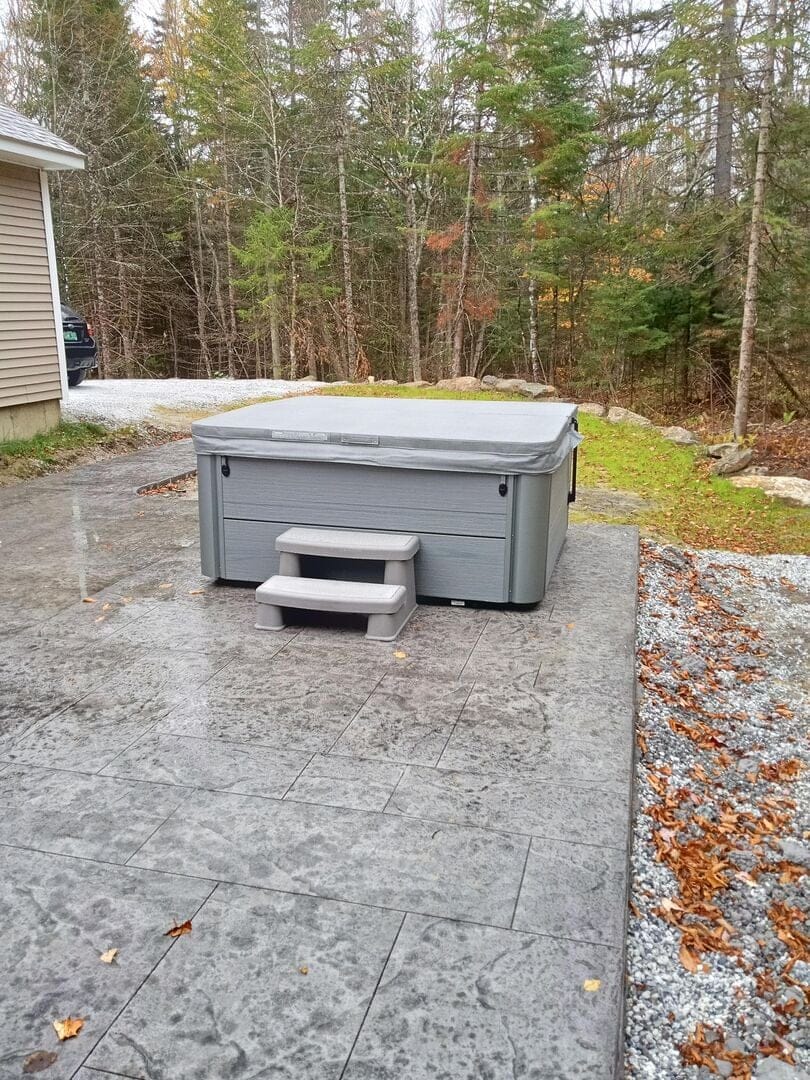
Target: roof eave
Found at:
39, 157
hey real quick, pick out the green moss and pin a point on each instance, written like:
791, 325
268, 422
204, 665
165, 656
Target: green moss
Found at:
690, 506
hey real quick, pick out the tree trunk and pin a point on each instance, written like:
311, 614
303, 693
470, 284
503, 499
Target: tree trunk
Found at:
348, 291
412, 253
719, 345
456, 357
749, 322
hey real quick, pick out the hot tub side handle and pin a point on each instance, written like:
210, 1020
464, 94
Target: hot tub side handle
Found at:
572, 494
225, 468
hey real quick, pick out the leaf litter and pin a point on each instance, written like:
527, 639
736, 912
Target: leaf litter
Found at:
718, 933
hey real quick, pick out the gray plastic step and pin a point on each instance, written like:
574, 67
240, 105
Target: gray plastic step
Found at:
388, 606
349, 544
322, 594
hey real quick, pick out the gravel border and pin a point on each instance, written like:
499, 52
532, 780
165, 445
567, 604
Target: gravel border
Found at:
718, 947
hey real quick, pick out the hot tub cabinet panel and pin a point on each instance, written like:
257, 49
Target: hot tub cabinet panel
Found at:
484, 535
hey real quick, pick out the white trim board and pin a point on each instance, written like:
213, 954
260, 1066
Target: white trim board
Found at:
57, 306
38, 157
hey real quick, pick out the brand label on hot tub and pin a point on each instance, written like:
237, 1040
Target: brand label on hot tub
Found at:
360, 440
300, 436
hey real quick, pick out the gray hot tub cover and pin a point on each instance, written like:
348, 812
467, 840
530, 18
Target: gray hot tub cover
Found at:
416, 433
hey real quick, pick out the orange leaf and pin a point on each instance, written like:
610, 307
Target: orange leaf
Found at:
179, 929
68, 1028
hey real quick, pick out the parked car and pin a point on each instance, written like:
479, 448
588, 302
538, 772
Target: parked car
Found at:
80, 346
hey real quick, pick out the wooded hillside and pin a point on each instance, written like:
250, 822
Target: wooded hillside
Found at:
354, 187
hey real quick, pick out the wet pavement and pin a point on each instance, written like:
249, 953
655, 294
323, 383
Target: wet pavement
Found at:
397, 867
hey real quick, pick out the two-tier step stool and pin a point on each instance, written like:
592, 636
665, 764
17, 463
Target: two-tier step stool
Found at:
388, 605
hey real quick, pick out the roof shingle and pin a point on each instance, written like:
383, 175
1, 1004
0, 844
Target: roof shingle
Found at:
14, 125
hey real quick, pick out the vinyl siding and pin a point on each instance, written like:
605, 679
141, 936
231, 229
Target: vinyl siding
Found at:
29, 360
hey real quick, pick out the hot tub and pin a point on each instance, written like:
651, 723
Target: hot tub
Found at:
485, 486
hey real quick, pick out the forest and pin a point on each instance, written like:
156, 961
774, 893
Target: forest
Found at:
614, 199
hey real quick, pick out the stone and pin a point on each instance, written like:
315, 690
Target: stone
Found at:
510, 386
680, 436
774, 1069
592, 408
796, 851
307, 378
59, 915
717, 450
310, 964
464, 1001
578, 814
724, 1068
573, 891
463, 382
387, 382
420, 384
618, 415
793, 490
755, 470
344, 781
451, 871
538, 390
490, 380
733, 461
467, 382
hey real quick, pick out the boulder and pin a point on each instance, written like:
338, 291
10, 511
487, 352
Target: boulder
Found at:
490, 380
419, 383
681, 436
510, 386
592, 408
463, 382
387, 382
617, 415
718, 449
538, 390
755, 470
733, 461
790, 489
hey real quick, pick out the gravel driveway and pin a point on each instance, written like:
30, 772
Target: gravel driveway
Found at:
116, 403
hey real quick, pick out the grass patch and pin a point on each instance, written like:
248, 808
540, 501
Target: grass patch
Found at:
691, 507
430, 392
48, 446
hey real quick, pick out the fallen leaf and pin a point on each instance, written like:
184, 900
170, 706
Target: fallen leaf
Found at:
570, 626
196, 592
108, 956
400, 655
303, 970
68, 1028
106, 607
166, 585
591, 985
39, 1061
179, 929
89, 600
100, 618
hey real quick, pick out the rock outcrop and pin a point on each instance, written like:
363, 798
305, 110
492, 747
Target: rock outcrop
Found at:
793, 490
617, 415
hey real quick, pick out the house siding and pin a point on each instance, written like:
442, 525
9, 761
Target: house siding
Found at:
29, 356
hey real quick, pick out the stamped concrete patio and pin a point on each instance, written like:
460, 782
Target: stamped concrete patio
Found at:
401, 862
